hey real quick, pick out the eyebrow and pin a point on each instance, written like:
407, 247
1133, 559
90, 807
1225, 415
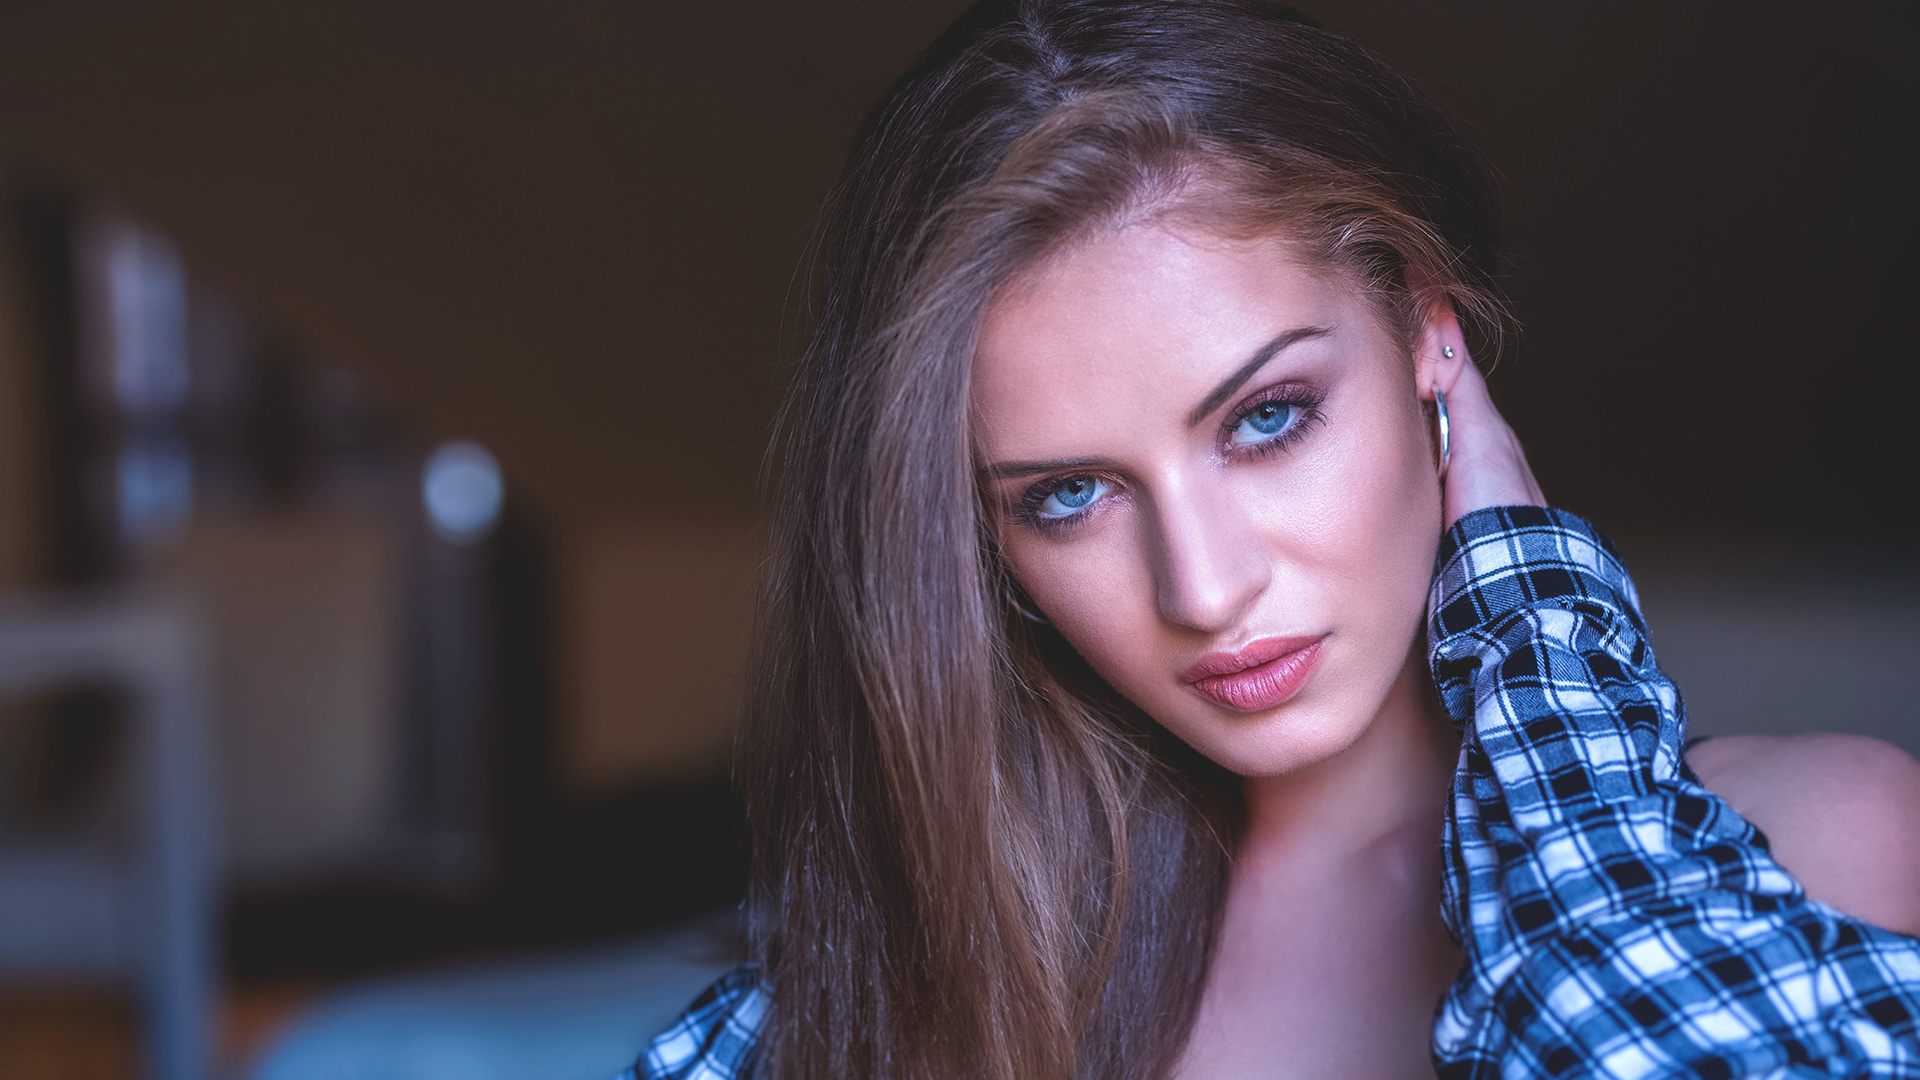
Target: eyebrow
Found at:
1009, 470
1258, 360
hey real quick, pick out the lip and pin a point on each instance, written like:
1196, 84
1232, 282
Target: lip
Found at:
1260, 676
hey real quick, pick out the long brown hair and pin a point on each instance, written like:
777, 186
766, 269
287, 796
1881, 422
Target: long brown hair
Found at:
971, 857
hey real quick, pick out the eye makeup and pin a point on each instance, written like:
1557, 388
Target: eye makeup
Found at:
1060, 503
1270, 420
1274, 418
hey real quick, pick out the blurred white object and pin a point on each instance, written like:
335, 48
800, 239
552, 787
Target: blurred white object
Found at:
462, 489
145, 913
132, 291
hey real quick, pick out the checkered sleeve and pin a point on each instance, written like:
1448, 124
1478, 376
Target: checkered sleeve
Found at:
715, 1039
1620, 920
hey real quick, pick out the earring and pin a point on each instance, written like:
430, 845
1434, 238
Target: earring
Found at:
1446, 439
1446, 351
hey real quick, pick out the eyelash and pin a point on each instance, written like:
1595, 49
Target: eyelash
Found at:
1292, 395
1027, 510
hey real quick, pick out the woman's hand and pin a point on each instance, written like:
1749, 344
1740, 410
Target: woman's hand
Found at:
1486, 465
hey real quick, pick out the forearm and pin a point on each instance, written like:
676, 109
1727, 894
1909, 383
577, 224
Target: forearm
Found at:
1618, 918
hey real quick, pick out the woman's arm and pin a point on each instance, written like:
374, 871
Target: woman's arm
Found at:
1619, 919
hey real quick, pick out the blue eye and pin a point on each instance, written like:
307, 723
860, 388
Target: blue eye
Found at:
1264, 422
1070, 496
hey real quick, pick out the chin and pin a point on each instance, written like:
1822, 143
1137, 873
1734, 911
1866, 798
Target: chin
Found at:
1286, 739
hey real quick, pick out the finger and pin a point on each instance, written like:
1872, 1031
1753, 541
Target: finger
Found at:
1487, 466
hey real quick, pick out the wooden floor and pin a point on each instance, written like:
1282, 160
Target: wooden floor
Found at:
93, 1035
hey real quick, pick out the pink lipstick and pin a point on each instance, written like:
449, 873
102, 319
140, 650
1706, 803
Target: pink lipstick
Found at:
1260, 676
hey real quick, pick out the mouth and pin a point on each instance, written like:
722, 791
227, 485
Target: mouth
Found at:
1264, 674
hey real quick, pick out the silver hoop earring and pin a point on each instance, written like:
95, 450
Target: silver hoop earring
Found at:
1446, 435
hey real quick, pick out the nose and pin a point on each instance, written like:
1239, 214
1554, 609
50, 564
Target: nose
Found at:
1209, 564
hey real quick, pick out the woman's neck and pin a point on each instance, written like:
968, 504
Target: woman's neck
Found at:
1331, 952
1386, 790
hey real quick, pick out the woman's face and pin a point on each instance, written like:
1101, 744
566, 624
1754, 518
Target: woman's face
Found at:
1215, 480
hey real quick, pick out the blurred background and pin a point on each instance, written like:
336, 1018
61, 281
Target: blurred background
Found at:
382, 394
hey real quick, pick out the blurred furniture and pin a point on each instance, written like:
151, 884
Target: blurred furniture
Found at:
304, 626
138, 906
579, 1016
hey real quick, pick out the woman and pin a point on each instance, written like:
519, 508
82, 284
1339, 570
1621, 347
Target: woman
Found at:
1092, 733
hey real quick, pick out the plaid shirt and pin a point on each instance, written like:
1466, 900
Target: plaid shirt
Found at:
714, 1039
1619, 920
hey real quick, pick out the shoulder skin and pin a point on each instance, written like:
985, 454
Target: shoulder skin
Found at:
1842, 813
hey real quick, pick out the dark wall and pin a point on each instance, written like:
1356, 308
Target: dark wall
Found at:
571, 228
1713, 219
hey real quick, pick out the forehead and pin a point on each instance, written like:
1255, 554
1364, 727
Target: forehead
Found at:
1140, 322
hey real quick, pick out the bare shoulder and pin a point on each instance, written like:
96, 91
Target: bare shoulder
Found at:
1842, 813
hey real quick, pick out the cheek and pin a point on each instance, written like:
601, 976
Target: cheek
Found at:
1400, 531
1355, 533
1097, 592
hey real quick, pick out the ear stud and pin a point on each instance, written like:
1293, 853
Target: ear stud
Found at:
1446, 351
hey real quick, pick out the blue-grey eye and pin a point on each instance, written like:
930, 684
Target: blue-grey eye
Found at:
1070, 496
1264, 421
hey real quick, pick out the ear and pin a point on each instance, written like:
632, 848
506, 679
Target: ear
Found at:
1432, 367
